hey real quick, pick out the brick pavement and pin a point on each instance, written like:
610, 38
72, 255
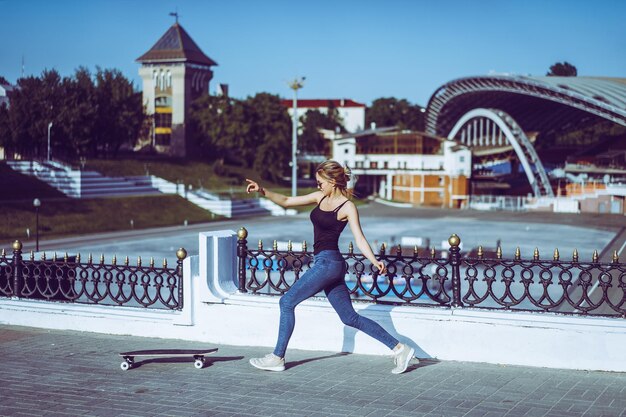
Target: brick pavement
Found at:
67, 373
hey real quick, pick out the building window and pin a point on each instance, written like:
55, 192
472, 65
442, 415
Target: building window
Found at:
163, 120
386, 164
345, 150
358, 164
373, 164
461, 159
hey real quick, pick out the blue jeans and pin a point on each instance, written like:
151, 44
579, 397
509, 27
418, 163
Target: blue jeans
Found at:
328, 274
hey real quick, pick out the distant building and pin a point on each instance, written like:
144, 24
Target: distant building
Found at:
175, 72
407, 166
5, 89
352, 114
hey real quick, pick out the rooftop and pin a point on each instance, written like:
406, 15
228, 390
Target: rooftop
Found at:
176, 46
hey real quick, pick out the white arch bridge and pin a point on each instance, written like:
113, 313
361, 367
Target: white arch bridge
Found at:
501, 116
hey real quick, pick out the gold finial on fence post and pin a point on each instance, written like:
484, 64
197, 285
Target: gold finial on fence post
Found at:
90, 258
66, 257
4, 254
350, 248
480, 252
556, 254
518, 254
383, 247
594, 258
433, 253
575, 255
454, 240
17, 245
275, 246
139, 261
615, 257
114, 260
101, 258
536, 254
126, 260
260, 244
164, 263
54, 256
304, 246
32, 255
43, 256
415, 250
151, 262
242, 233
289, 246
399, 250
499, 252
78, 258
181, 254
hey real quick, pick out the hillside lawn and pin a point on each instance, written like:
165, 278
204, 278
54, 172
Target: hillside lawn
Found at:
60, 216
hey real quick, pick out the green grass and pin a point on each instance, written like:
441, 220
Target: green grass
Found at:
58, 218
62, 216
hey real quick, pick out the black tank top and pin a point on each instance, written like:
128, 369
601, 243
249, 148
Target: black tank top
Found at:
326, 228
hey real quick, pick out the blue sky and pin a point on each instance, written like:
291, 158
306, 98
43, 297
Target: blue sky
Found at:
351, 49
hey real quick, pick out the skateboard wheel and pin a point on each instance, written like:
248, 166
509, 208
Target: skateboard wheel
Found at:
199, 364
125, 366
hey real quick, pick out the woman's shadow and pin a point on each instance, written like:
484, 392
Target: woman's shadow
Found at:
383, 318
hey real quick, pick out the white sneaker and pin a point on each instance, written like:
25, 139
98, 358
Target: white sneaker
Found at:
269, 362
401, 358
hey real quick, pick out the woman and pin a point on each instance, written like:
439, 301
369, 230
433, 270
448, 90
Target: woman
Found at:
334, 210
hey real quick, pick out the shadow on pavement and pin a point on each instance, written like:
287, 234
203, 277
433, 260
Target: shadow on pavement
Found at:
289, 365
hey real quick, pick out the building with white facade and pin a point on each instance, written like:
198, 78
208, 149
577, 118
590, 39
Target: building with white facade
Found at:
5, 89
407, 166
352, 114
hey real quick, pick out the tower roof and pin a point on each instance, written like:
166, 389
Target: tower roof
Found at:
176, 46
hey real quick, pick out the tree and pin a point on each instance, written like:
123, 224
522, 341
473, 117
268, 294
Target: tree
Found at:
4, 80
311, 140
221, 128
77, 114
34, 104
389, 111
270, 135
564, 69
120, 112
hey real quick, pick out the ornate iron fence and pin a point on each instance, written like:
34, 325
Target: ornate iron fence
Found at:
447, 279
70, 280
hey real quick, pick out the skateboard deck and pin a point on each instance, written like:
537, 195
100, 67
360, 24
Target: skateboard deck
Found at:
196, 354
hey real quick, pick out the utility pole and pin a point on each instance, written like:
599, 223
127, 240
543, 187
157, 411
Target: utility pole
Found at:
295, 85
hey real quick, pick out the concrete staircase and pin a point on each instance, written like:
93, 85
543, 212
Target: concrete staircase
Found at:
91, 184
84, 184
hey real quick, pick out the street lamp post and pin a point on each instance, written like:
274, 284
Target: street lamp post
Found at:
37, 204
295, 85
49, 127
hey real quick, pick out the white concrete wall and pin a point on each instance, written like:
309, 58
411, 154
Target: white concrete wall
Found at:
215, 313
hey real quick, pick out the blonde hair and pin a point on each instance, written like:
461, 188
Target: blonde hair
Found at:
339, 176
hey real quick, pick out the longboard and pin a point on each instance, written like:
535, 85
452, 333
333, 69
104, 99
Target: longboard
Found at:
196, 354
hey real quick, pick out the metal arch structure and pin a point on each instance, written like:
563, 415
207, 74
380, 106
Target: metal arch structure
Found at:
485, 127
545, 105
537, 103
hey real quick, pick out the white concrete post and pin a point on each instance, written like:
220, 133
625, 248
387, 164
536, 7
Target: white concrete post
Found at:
218, 265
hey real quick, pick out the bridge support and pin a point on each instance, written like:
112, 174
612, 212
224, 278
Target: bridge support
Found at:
484, 127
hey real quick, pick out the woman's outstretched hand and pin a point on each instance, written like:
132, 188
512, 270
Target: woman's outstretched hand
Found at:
382, 269
253, 186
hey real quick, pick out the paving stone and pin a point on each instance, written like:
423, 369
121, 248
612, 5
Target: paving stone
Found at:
36, 380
